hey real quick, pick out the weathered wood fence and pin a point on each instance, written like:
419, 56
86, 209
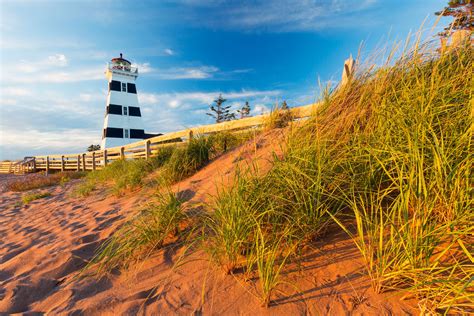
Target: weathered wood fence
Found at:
143, 149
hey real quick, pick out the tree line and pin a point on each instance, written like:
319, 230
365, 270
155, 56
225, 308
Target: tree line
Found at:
222, 113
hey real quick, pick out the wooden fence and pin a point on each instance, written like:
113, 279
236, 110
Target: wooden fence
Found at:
143, 149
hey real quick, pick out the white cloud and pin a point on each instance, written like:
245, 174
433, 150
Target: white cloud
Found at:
54, 76
50, 69
14, 91
203, 72
261, 109
59, 60
168, 51
184, 73
186, 99
280, 15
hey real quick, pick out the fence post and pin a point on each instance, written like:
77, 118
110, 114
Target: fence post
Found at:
191, 134
105, 157
122, 152
84, 162
47, 164
62, 163
147, 150
34, 164
78, 162
348, 70
93, 160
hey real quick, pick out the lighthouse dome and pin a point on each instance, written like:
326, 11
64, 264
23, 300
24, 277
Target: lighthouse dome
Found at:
121, 63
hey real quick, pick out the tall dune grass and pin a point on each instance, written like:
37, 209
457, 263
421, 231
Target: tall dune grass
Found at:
387, 158
391, 150
149, 230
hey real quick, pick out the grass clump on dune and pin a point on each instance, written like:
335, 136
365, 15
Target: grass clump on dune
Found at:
187, 160
124, 174
174, 163
28, 198
140, 236
42, 181
391, 150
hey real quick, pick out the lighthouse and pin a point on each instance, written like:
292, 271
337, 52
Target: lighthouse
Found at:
123, 119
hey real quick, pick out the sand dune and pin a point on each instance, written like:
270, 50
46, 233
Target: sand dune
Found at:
44, 245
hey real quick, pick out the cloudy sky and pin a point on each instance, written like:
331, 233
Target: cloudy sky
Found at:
53, 54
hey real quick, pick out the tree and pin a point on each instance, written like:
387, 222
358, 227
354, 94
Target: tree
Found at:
284, 105
220, 112
462, 12
93, 147
245, 110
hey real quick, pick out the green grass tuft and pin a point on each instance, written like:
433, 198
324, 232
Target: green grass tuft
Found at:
148, 231
30, 197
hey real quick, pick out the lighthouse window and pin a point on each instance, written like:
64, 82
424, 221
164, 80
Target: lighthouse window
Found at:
131, 88
114, 109
134, 111
114, 85
124, 87
125, 110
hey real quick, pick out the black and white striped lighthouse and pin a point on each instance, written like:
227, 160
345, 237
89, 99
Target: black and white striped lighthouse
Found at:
123, 120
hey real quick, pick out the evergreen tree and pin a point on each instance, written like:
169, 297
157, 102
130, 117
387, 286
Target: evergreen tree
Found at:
462, 12
220, 112
245, 110
284, 105
93, 147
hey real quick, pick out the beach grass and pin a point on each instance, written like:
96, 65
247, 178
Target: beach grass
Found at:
389, 154
172, 163
149, 230
386, 158
30, 197
42, 181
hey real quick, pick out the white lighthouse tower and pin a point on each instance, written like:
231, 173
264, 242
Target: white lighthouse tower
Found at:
123, 120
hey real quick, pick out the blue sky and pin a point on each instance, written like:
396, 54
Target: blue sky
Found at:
53, 55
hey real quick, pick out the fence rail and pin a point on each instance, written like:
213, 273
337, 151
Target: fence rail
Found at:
143, 149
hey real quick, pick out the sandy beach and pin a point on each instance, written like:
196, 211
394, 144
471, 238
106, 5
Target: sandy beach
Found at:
45, 244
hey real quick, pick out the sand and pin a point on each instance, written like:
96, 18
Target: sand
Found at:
45, 244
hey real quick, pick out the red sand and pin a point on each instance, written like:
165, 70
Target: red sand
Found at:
45, 244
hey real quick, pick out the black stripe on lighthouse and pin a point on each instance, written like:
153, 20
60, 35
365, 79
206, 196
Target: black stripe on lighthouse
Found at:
137, 133
114, 109
114, 132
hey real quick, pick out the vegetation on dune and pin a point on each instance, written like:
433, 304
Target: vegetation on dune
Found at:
386, 158
173, 163
278, 117
30, 197
42, 181
149, 230
390, 150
